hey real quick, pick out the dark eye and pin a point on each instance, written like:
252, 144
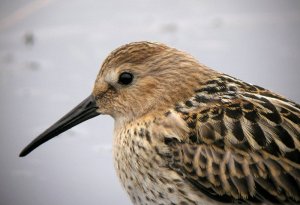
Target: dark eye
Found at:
125, 78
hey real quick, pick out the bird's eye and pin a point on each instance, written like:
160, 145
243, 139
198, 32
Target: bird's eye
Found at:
125, 78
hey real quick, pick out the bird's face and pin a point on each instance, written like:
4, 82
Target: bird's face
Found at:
126, 91
134, 80
129, 84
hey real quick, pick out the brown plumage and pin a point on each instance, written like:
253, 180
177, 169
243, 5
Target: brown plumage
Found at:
243, 143
186, 134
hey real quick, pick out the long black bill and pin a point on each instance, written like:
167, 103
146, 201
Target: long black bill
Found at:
87, 109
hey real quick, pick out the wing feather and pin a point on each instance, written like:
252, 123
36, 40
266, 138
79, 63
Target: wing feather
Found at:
243, 143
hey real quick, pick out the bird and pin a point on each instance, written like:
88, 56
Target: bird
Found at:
187, 134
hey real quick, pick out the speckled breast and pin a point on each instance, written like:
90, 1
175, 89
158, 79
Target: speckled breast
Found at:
143, 172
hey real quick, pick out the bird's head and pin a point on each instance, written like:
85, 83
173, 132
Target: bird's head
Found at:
144, 77
134, 80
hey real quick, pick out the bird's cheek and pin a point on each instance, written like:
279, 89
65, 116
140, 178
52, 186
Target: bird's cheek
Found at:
104, 106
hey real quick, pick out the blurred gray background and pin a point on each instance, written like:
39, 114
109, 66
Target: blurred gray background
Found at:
50, 52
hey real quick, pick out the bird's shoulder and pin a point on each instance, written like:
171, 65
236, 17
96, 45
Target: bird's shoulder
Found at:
235, 141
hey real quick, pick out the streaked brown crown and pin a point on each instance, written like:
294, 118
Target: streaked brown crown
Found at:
135, 53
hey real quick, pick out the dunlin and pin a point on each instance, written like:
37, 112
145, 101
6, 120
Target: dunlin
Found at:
186, 134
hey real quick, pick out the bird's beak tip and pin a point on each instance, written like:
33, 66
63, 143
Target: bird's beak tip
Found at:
22, 154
